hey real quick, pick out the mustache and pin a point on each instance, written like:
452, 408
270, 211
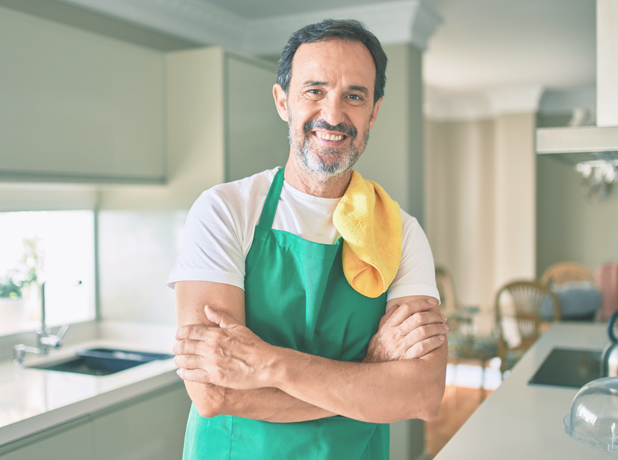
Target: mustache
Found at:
342, 128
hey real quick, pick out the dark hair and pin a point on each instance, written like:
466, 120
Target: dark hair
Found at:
345, 29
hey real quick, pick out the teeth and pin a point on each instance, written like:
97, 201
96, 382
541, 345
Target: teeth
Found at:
330, 137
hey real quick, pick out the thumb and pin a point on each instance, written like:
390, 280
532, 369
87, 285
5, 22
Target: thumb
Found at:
387, 315
220, 318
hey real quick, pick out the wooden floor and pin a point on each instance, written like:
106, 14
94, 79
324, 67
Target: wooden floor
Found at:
458, 405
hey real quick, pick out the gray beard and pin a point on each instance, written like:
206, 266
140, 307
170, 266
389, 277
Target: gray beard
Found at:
341, 160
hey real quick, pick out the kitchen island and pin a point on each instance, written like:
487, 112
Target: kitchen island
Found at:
522, 421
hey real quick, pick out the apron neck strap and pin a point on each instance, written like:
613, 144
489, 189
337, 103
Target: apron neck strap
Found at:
272, 200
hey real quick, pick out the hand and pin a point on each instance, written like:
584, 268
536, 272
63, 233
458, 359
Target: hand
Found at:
227, 355
408, 331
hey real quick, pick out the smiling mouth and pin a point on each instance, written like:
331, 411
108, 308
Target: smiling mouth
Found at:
324, 136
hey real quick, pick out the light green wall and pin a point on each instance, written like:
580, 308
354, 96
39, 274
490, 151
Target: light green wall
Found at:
570, 226
394, 156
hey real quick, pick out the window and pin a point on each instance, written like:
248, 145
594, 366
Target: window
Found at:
55, 247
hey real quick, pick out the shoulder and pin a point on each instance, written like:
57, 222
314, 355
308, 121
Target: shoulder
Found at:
237, 195
411, 229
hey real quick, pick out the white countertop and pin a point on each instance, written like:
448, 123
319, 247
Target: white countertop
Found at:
521, 421
32, 399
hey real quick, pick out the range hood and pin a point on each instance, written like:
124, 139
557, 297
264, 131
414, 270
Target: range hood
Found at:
593, 143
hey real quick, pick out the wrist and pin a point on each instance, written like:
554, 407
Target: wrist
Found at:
278, 368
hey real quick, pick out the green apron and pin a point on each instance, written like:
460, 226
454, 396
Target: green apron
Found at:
296, 296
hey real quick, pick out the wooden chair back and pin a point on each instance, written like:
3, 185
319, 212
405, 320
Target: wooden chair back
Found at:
518, 311
566, 272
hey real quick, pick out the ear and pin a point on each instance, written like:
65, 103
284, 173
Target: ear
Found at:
374, 113
281, 100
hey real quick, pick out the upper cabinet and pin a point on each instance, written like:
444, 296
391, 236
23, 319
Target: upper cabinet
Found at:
222, 125
78, 107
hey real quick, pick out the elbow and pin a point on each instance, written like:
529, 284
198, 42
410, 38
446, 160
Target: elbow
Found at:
430, 413
207, 399
426, 402
431, 407
206, 409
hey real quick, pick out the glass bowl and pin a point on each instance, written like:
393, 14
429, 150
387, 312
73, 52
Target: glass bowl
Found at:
593, 420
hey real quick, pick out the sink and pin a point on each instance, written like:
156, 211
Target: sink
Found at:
102, 361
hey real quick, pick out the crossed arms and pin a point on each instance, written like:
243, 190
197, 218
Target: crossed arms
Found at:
229, 370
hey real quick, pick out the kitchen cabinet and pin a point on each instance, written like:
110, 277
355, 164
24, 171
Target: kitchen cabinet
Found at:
77, 106
152, 427
69, 441
221, 119
149, 427
221, 125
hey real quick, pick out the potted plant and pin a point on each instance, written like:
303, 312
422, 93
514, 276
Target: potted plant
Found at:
19, 288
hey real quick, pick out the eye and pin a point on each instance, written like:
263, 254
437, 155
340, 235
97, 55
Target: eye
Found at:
355, 99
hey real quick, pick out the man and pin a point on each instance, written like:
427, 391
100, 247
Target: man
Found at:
281, 357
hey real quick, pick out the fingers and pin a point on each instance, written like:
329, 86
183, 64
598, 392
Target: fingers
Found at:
201, 331
421, 319
188, 347
194, 375
424, 347
387, 315
220, 318
193, 332
189, 361
410, 308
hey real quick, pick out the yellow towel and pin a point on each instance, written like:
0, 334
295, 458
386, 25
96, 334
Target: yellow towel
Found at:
370, 223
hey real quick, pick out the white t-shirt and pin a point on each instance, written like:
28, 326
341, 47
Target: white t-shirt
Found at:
220, 227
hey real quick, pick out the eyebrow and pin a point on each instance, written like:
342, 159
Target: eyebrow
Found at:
361, 89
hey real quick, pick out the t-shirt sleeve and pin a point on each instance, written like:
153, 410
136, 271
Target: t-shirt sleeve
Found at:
416, 274
211, 248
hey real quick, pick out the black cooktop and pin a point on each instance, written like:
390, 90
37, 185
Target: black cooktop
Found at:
568, 367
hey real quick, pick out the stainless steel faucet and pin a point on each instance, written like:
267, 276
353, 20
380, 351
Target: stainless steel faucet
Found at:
45, 341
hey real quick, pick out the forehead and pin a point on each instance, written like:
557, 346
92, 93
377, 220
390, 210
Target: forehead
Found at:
333, 61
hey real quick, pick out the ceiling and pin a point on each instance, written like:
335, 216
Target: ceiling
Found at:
479, 45
486, 43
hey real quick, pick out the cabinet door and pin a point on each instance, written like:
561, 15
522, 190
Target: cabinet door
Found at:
72, 441
76, 106
256, 138
151, 428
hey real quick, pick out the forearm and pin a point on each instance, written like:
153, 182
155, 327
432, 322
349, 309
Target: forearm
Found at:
380, 392
268, 404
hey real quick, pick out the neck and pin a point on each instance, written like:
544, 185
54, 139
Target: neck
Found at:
316, 184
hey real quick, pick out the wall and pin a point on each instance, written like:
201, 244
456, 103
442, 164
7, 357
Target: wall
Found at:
481, 201
515, 199
569, 225
140, 227
461, 205
394, 156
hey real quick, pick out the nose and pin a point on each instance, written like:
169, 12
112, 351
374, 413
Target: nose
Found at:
333, 111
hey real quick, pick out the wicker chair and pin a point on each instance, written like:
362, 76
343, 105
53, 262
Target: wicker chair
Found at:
518, 318
566, 272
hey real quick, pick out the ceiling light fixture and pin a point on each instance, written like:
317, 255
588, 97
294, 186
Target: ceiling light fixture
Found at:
598, 177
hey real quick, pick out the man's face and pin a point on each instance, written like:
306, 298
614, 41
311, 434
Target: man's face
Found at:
329, 105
